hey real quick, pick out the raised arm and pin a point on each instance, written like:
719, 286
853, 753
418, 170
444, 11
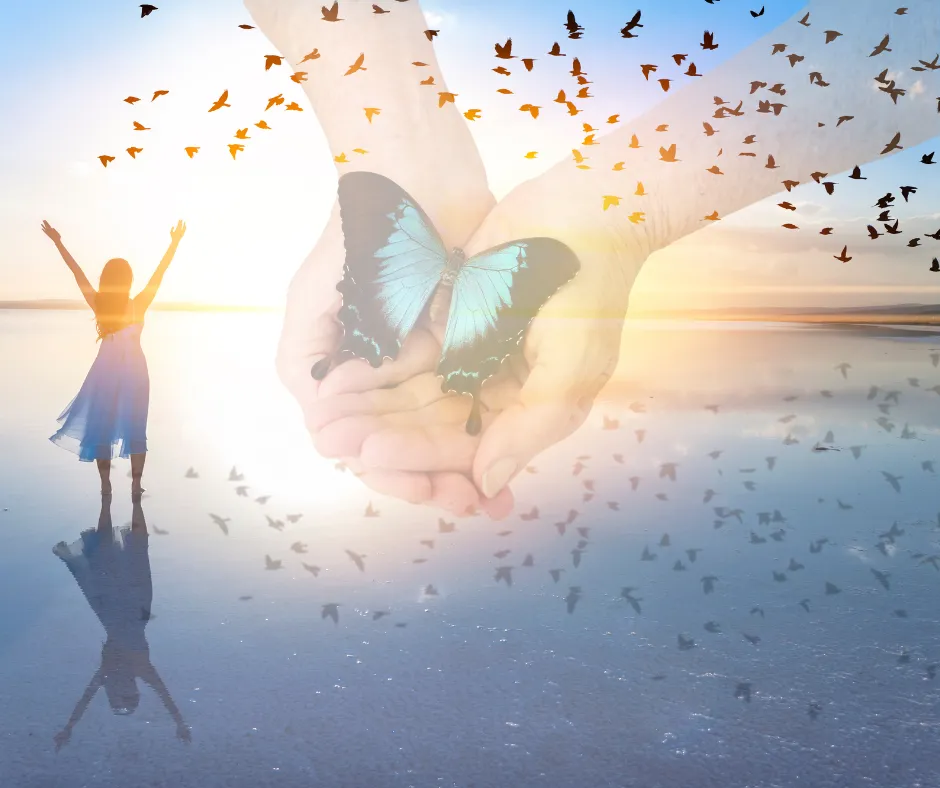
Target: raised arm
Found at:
84, 285
152, 678
62, 738
144, 298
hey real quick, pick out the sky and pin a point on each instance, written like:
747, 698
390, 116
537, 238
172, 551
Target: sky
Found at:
68, 65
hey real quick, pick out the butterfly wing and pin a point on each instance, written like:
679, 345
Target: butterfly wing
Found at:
496, 294
394, 260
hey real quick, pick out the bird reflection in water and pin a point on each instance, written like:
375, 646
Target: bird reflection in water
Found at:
112, 568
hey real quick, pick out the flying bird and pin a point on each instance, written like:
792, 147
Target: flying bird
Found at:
331, 14
146, 9
221, 102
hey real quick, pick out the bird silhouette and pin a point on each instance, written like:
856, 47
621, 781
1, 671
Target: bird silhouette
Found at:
330, 609
270, 563
146, 9
331, 14
220, 102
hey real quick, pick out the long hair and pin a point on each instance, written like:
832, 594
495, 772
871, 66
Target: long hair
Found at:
114, 292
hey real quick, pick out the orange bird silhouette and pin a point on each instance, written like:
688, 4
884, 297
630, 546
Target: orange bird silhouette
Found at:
221, 102
331, 14
357, 66
272, 60
158, 93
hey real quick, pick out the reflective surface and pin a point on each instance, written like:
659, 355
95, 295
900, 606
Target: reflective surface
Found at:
479, 674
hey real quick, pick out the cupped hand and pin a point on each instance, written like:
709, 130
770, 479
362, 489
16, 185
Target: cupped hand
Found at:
354, 400
540, 397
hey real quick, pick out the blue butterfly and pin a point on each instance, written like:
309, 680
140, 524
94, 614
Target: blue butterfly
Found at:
396, 262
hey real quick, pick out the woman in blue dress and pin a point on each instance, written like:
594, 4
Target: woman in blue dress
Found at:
112, 568
108, 416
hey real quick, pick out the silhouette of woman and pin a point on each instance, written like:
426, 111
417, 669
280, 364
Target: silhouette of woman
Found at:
108, 416
113, 571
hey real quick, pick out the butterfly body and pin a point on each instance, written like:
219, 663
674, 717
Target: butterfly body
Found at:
397, 268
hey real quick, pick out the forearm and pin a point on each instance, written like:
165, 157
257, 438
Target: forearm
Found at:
682, 193
424, 147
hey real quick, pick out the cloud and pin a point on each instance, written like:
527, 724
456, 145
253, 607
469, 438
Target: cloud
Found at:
439, 20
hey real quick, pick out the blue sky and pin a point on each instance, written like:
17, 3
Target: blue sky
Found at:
68, 65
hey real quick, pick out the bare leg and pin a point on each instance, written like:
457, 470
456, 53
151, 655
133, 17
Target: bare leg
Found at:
137, 471
104, 470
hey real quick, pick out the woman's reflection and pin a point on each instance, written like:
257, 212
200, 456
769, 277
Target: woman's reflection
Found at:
113, 570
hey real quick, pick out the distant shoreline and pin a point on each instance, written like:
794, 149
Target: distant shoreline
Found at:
894, 314
54, 305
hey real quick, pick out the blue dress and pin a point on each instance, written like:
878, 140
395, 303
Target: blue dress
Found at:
108, 416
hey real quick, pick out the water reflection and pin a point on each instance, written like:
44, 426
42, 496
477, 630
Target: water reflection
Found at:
112, 569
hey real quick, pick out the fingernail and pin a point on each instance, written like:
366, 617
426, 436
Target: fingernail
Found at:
498, 476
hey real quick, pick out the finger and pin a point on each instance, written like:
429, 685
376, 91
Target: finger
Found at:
499, 506
413, 394
419, 353
455, 493
410, 487
554, 401
345, 436
434, 447
310, 329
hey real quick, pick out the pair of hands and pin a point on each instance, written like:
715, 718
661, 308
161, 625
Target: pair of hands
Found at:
64, 736
395, 429
176, 233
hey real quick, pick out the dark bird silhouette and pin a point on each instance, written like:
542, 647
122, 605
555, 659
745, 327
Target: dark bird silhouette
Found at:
330, 610
686, 643
832, 589
556, 574
626, 31
712, 626
756, 14
882, 47
708, 41
708, 583
814, 710
647, 555
356, 558
146, 10
894, 144
504, 573
572, 26
805, 605
574, 594
881, 577
743, 690
627, 593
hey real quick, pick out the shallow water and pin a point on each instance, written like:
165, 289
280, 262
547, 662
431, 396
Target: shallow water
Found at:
490, 684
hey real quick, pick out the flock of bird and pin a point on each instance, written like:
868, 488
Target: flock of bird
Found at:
668, 152
791, 553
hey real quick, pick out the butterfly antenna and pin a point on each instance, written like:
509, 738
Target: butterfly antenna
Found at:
475, 420
318, 371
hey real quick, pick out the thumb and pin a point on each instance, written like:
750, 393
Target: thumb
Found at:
571, 368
